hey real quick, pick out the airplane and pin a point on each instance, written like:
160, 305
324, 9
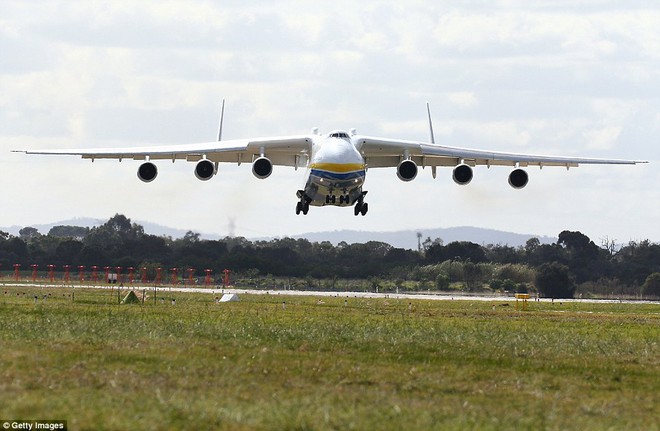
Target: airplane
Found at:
336, 162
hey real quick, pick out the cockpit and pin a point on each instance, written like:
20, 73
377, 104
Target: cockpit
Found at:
338, 134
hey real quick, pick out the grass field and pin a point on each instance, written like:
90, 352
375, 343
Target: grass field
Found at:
309, 364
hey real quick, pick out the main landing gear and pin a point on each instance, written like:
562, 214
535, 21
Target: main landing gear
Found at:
361, 207
303, 204
302, 207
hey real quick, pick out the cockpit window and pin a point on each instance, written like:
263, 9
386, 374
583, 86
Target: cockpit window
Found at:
339, 135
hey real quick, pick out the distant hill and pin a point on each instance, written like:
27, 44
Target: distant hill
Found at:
408, 238
44, 228
150, 228
401, 239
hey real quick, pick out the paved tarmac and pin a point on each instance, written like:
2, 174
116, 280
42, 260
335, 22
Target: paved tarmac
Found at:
407, 296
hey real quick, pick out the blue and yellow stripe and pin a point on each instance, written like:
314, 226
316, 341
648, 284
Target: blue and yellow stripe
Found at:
338, 171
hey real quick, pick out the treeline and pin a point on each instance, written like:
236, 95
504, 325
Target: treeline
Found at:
572, 264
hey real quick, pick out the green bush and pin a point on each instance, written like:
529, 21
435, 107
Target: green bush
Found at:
442, 281
553, 280
651, 286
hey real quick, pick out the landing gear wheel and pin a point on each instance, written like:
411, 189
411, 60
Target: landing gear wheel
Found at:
361, 207
302, 207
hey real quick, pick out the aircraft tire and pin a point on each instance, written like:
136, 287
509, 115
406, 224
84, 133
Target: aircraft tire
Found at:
364, 209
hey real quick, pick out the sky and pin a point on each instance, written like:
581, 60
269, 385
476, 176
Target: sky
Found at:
571, 78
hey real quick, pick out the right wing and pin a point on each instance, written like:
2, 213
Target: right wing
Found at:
382, 152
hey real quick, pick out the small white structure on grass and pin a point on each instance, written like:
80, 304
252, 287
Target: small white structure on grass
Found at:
229, 297
131, 298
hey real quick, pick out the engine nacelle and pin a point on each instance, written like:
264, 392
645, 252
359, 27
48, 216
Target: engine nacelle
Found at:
518, 178
262, 168
406, 170
462, 175
147, 172
204, 170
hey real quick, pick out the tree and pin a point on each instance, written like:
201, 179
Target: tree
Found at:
514, 272
543, 253
651, 286
554, 280
465, 250
475, 275
577, 242
117, 236
28, 233
584, 258
531, 245
636, 261
75, 232
503, 254
442, 281
120, 226
191, 237
67, 251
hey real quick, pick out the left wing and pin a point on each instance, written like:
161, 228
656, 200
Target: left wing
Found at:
380, 152
282, 150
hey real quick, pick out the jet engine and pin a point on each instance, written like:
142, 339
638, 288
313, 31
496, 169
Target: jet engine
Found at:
147, 172
518, 178
262, 167
462, 175
204, 170
406, 170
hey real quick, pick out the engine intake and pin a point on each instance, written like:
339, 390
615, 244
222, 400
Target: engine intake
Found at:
147, 172
518, 178
204, 170
462, 175
262, 168
406, 170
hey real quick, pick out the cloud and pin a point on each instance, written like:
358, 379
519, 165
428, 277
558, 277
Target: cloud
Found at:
565, 77
463, 99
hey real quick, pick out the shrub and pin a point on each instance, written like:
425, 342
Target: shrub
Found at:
651, 286
554, 280
442, 281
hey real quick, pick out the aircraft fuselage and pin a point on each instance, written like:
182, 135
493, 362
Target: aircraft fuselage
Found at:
336, 172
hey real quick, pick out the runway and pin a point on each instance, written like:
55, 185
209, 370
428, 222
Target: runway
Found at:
283, 292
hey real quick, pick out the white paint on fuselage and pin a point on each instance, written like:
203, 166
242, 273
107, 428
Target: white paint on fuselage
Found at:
336, 169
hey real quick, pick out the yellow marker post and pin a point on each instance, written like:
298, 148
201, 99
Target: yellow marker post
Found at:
524, 297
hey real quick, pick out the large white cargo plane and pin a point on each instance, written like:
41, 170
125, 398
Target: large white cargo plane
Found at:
337, 163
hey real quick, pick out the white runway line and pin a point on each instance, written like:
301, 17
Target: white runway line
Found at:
425, 296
